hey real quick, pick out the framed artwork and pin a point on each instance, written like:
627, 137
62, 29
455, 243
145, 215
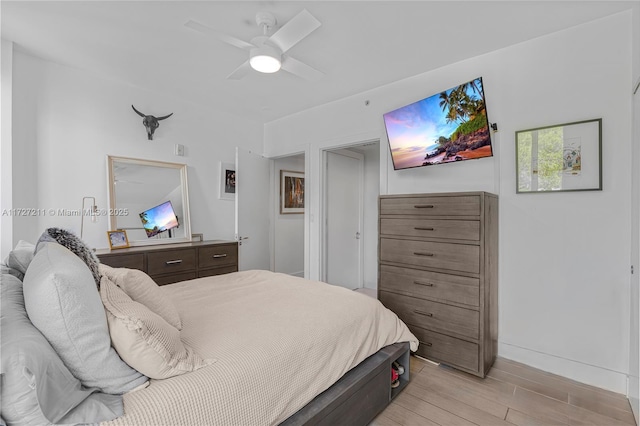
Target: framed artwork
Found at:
227, 181
291, 192
560, 158
117, 239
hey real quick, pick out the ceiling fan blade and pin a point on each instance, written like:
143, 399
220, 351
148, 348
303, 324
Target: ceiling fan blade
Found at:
295, 30
220, 36
301, 69
240, 72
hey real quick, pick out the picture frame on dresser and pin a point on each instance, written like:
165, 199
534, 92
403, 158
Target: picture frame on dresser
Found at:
559, 158
117, 239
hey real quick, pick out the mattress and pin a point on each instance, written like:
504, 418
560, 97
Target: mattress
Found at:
278, 341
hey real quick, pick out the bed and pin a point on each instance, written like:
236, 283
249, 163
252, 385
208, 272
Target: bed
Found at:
278, 350
278, 342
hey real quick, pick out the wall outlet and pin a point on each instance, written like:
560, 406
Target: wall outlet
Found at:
179, 150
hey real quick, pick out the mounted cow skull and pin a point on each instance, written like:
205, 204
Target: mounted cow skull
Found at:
150, 122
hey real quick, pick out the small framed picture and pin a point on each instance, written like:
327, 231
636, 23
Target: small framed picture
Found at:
291, 192
118, 239
227, 181
560, 158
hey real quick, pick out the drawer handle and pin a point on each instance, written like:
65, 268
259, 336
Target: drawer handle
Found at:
417, 253
424, 206
424, 343
173, 262
424, 284
217, 256
423, 229
426, 314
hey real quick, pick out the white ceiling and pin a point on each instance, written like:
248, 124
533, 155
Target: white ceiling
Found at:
360, 45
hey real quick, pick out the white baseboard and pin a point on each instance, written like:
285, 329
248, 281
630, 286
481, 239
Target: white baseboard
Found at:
614, 381
297, 274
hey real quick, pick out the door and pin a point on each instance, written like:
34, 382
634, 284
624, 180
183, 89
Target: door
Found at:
634, 290
252, 210
343, 218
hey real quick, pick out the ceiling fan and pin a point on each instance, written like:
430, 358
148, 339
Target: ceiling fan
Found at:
267, 52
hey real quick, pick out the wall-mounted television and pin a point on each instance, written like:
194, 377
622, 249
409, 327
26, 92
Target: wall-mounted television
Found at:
159, 219
449, 126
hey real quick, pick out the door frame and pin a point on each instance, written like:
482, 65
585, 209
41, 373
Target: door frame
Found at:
323, 208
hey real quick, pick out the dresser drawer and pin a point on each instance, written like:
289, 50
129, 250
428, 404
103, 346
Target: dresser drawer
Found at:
171, 261
217, 271
452, 351
456, 257
213, 256
432, 206
433, 315
174, 278
131, 261
433, 228
426, 284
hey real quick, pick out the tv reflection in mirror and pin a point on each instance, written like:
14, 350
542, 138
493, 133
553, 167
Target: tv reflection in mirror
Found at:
159, 219
449, 126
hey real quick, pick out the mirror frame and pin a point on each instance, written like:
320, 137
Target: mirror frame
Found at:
182, 168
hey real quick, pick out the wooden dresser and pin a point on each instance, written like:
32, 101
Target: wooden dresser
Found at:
438, 271
170, 263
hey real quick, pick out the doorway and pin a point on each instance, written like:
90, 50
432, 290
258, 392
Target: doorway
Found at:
349, 208
288, 236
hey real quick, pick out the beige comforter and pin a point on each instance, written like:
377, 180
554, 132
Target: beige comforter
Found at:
278, 341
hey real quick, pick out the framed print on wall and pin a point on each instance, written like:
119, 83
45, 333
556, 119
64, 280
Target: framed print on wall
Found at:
118, 239
227, 181
291, 192
560, 158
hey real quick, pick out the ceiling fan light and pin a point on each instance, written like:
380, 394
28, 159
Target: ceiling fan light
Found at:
265, 59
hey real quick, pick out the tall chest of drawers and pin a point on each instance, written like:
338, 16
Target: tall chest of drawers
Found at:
438, 271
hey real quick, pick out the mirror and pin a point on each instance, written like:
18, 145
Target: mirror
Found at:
149, 200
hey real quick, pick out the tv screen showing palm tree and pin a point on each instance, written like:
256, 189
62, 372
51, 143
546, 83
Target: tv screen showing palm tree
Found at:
159, 219
449, 126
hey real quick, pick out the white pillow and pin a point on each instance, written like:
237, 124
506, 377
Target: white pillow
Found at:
141, 288
63, 302
143, 338
20, 257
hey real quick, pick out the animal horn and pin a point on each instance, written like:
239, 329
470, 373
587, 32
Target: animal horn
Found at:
163, 117
138, 112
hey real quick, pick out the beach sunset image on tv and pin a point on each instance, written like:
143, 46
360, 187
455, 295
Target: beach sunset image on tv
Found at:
446, 127
159, 219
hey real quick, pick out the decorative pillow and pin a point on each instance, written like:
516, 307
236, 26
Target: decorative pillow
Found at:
37, 388
64, 304
143, 338
20, 257
142, 289
77, 247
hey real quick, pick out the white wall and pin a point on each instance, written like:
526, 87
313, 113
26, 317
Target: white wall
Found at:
288, 238
564, 258
66, 121
6, 168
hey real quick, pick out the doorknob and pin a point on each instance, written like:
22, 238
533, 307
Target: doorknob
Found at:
240, 240
357, 235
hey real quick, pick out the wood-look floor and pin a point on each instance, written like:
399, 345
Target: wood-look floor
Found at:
511, 394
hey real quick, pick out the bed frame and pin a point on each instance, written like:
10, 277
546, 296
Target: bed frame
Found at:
360, 395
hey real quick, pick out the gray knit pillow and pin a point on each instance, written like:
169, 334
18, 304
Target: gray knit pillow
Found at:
75, 245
